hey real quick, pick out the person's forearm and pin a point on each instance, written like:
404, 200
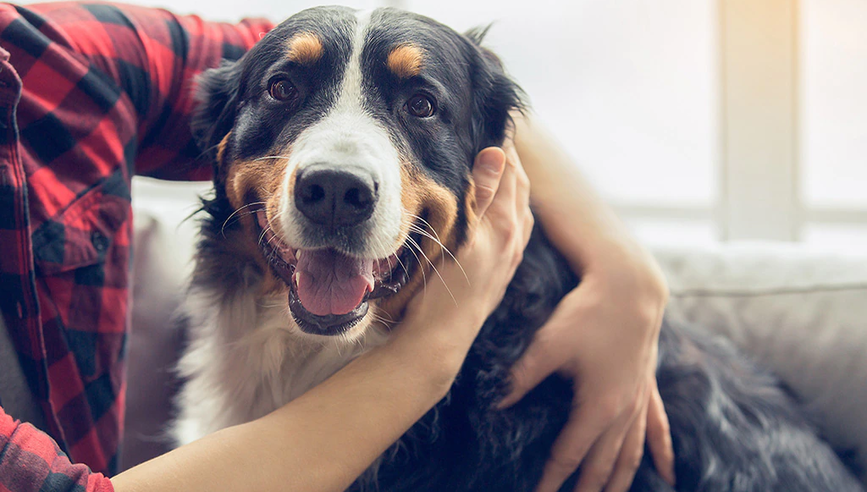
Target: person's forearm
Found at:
319, 442
574, 216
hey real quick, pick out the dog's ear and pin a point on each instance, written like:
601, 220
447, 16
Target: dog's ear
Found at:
495, 95
216, 99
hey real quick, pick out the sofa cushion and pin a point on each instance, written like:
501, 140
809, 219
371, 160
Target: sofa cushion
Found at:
801, 312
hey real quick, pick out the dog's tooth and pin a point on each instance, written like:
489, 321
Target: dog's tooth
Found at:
298, 255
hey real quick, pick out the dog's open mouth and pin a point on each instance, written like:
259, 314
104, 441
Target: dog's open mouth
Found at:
328, 290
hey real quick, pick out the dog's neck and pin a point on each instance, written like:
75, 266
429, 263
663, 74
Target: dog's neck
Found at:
262, 354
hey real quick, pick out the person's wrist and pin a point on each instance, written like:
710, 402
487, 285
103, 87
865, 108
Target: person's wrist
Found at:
626, 270
436, 346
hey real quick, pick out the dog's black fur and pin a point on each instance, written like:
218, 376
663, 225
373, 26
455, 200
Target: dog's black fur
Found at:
733, 426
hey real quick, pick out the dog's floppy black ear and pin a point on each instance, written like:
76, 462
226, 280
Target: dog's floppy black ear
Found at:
216, 98
495, 95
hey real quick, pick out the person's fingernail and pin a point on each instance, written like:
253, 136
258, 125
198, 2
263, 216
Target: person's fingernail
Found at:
669, 479
672, 477
491, 161
505, 402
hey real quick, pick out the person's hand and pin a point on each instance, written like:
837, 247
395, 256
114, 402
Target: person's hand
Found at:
604, 336
463, 293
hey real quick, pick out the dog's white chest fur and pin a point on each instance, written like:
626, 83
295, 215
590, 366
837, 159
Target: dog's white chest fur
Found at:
245, 359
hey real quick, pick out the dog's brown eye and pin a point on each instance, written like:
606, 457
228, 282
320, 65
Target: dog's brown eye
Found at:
421, 106
282, 90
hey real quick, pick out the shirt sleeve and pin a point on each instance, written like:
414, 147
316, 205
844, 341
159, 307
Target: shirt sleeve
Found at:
30, 460
154, 56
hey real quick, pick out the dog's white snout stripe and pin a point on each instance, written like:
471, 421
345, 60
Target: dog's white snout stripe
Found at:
349, 136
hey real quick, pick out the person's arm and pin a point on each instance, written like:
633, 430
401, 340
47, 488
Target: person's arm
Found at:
322, 440
603, 334
326, 438
31, 460
151, 57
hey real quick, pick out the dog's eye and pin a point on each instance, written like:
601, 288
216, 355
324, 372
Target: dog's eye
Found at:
421, 106
282, 90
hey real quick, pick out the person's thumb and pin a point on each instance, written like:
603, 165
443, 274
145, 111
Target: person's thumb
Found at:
487, 171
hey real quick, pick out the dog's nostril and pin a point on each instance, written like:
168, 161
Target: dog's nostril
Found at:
313, 193
358, 198
335, 197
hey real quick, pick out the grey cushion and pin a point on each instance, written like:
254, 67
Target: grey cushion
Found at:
799, 311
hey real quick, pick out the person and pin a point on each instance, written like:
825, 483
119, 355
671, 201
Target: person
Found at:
91, 94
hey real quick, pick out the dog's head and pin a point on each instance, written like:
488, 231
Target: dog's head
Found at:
352, 137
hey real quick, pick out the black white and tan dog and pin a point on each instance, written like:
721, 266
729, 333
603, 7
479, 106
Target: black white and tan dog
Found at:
342, 146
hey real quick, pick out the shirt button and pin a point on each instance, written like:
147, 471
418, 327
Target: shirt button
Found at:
100, 242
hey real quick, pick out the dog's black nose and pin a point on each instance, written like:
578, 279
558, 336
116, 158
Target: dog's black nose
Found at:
335, 197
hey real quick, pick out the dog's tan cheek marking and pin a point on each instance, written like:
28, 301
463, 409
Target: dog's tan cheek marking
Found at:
405, 61
221, 147
419, 194
264, 178
305, 48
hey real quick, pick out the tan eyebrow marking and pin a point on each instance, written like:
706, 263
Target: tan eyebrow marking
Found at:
405, 61
305, 48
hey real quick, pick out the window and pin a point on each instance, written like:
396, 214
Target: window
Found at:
834, 121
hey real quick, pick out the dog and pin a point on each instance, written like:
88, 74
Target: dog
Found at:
343, 145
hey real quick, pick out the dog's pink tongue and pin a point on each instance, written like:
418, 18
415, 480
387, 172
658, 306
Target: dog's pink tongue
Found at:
332, 283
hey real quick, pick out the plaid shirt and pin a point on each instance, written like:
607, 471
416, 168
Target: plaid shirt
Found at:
89, 95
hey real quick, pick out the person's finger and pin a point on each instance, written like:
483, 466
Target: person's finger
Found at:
598, 465
523, 182
570, 448
538, 362
522, 204
529, 222
487, 172
659, 437
630, 455
501, 212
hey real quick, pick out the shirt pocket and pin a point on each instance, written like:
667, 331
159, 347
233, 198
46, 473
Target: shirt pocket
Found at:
83, 234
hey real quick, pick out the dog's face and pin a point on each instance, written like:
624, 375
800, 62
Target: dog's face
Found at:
352, 137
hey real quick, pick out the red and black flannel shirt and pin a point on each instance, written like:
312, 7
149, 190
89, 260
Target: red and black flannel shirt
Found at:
90, 94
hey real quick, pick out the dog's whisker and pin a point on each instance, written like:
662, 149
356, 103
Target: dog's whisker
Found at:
387, 319
410, 242
415, 228
262, 236
233, 214
428, 225
236, 218
382, 320
271, 157
396, 257
434, 268
399, 262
